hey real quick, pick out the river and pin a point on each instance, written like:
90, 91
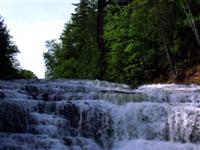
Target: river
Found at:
98, 115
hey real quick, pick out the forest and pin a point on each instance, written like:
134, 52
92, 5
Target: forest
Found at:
146, 41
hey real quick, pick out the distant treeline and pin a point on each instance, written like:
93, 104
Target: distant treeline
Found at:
9, 65
146, 40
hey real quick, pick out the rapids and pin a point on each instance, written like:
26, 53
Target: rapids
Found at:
98, 115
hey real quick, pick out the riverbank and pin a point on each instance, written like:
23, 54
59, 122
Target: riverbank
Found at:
188, 76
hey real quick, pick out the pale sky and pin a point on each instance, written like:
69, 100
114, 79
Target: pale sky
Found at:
31, 23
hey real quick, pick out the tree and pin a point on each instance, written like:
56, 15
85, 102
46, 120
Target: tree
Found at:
77, 54
146, 40
26, 74
133, 43
8, 51
50, 58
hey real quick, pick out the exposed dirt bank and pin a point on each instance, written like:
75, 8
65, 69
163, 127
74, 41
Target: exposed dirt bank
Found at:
189, 76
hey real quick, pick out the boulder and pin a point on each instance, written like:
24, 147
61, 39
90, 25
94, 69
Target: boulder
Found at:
13, 117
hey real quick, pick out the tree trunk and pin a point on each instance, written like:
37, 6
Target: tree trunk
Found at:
164, 39
193, 25
101, 43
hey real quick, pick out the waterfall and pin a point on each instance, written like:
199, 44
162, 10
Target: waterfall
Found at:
98, 115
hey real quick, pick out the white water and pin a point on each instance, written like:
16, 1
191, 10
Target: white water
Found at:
98, 115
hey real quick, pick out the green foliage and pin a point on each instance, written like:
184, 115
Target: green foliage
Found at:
26, 74
77, 55
132, 40
50, 58
149, 39
145, 40
8, 51
9, 66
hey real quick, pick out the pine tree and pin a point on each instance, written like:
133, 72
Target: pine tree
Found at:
77, 55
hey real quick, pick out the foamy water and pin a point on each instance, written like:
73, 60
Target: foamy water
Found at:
98, 115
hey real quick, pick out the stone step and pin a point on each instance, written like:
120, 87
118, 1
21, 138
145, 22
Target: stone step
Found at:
48, 124
29, 141
47, 119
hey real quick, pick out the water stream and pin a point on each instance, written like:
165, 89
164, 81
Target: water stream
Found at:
98, 115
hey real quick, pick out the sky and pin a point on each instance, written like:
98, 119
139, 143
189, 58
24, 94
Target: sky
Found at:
32, 23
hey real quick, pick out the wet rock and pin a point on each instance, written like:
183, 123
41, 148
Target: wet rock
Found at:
2, 95
45, 96
97, 124
152, 114
11, 147
40, 107
58, 97
89, 121
31, 89
185, 126
68, 141
23, 141
14, 118
195, 134
72, 113
80, 143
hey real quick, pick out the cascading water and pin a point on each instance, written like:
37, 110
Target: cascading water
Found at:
98, 115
